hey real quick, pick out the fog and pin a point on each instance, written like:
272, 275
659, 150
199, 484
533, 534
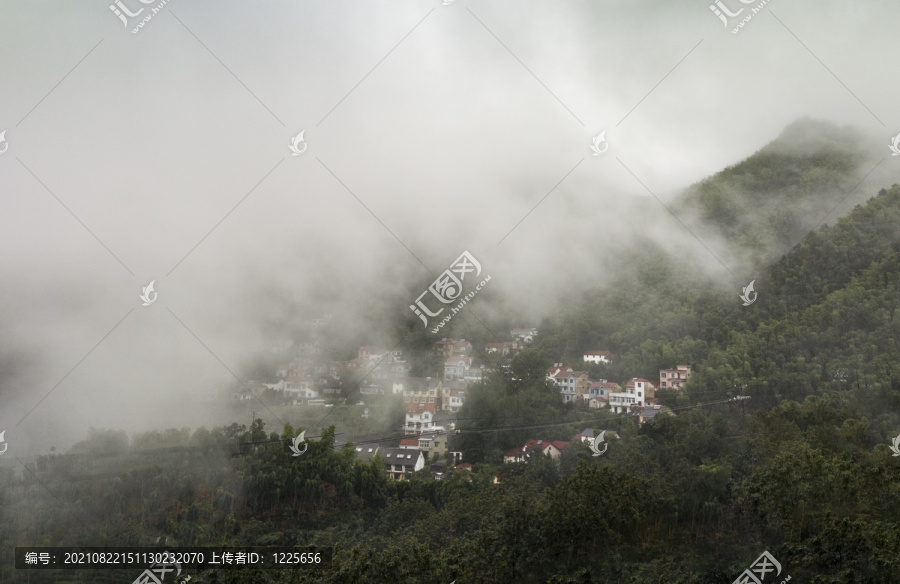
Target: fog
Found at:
430, 129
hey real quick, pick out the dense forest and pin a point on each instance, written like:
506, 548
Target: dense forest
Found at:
802, 468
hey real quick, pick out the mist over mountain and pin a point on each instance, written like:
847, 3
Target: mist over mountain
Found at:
764, 205
641, 250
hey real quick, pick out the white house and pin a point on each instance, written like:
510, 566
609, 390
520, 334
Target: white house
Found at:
546, 447
586, 435
456, 367
419, 418
557, 371
637, 392
455, 400
474, 374
298, 388
597, 357
371, 389
276, 386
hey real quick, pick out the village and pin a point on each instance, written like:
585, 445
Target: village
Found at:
307, 380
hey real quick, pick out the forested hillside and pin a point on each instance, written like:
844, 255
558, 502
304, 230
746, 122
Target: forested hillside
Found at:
801, 469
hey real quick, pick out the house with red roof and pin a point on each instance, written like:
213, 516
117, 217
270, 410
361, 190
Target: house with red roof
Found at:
556, 370
419, 418
409, 443
674, 378
596, 403
451, 347
421, 390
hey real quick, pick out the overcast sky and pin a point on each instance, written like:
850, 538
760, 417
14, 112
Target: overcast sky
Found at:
430, 129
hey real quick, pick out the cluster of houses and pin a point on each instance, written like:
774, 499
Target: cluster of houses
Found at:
521, 339
551, 448
412, 454
431, 403
638, 397
307, 378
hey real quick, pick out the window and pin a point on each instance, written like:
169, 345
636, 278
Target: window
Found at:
431, 400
